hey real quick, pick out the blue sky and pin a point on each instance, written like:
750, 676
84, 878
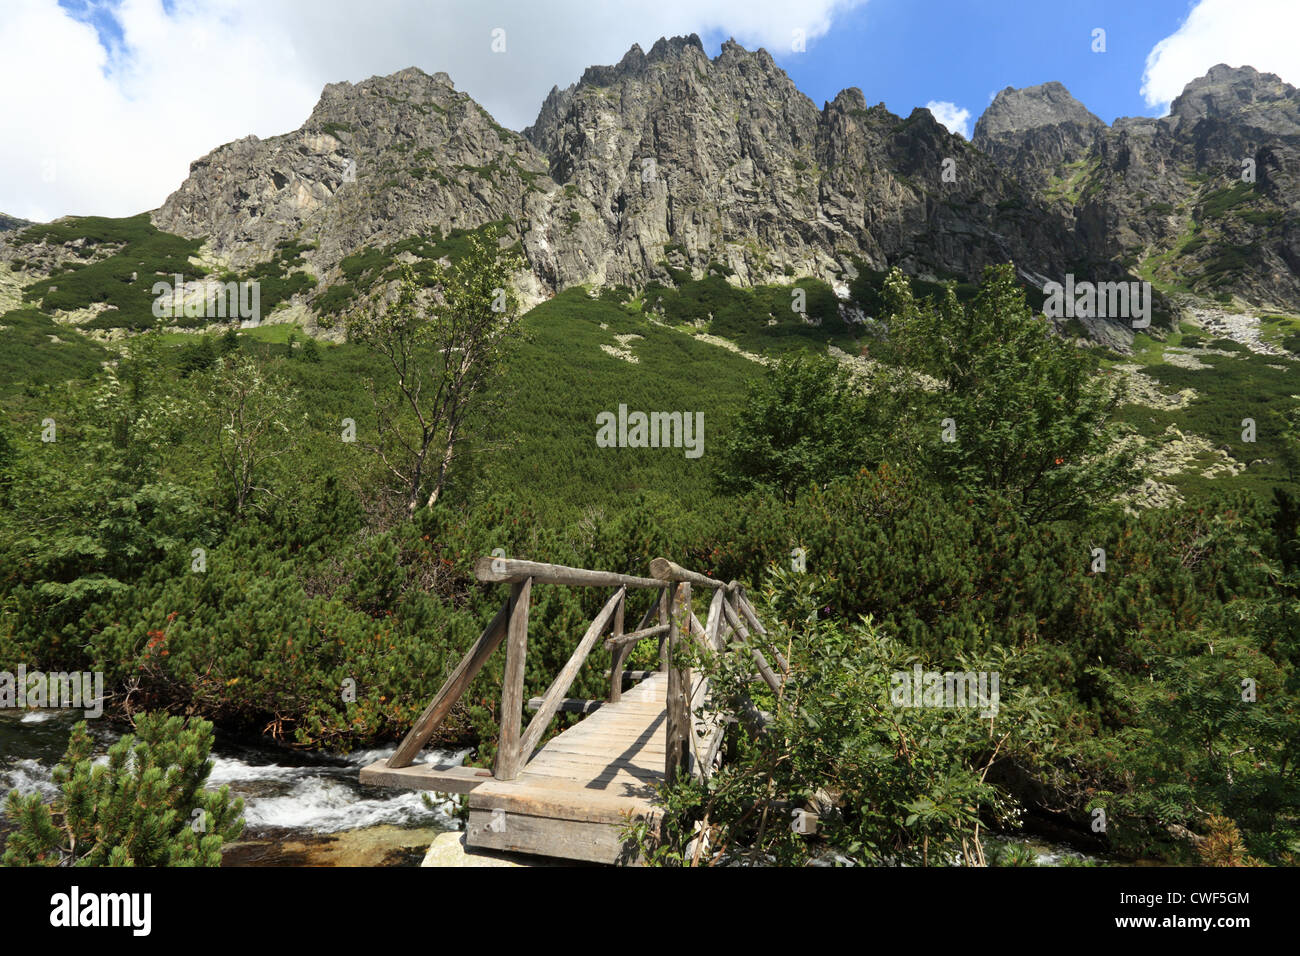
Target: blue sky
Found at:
907, 52
145, 87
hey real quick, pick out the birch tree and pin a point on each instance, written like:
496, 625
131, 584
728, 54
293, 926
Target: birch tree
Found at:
252, 424
444, 350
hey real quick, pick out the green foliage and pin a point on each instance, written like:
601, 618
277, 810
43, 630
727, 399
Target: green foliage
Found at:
944, 574
100, 503
321, 583
30, 356
1197, 747
1013, 411
281, 277
893, 786
802, 423
1217, 204
867, 289
1242, 385
543, 446
760, 317
364, 269
442, 360
145, 806
1227, 264
250, 416
198, 356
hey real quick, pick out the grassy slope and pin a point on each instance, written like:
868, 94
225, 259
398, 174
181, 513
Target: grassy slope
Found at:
560, 379
29, 356
544, 444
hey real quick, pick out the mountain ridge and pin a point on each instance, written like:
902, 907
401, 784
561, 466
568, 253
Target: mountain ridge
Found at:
672, 164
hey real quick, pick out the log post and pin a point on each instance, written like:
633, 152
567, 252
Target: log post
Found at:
678, 716
713, 624
564, 679
665, 614
618, 655
512, 685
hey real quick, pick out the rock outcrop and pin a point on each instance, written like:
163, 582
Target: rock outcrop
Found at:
11, 222
1037, 130
376, 162
668, 160
1206, 199
673, 159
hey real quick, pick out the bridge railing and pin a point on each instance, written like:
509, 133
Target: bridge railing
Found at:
691, 742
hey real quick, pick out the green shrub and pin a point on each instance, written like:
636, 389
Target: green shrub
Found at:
145, 807
142, 255
893, 785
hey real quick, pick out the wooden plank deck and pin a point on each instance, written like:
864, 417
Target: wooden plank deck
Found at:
572, 798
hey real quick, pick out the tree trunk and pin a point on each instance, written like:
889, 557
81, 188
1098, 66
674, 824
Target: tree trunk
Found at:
442, 473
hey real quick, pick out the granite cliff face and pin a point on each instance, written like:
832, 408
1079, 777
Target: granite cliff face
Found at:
1205, 200
671, 163
376, 162
724, 160
1036, 130
669, 159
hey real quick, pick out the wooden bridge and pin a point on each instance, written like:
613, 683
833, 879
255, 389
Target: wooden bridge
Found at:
573, 797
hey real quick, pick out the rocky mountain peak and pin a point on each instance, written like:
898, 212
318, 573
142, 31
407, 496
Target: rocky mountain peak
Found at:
850, 98
1241, 95
1017, 110
375, 162
670, 165
635, 62
1139, 188
1032, 132
409, 84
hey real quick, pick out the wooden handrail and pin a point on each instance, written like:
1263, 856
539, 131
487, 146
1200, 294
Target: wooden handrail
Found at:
512, 684
632, 637
760, 661
728, 608
513, 570
451, 690
619, 653
751, 616
665, 570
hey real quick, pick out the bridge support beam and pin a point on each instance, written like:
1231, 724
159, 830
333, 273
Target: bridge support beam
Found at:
512, 685
678, 715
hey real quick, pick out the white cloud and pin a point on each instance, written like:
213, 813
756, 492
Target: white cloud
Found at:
84, 133
1258, 33
952, 116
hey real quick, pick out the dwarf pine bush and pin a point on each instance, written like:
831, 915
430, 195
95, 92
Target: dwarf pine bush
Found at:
145, 807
